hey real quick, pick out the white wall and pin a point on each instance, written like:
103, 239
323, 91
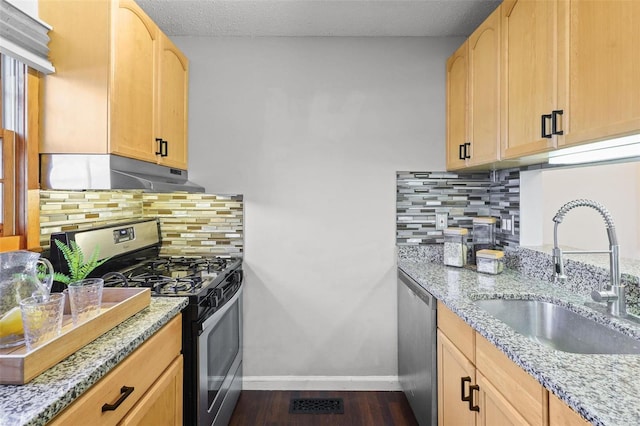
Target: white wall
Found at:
312, 131
616, 186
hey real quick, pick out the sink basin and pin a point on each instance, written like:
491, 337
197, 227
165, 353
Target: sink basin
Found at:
558, 327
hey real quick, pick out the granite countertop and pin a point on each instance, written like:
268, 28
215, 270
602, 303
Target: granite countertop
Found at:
605, 389
38, 401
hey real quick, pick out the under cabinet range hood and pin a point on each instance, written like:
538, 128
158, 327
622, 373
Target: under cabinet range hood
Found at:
109, 171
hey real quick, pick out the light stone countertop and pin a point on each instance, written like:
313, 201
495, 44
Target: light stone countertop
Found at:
605, 389
38, 401
628, 267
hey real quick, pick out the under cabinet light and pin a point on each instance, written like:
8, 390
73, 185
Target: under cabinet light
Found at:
612, 149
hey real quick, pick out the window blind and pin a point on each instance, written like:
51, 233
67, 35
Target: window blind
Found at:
24, 38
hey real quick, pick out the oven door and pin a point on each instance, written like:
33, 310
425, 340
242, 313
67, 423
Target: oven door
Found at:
219, 359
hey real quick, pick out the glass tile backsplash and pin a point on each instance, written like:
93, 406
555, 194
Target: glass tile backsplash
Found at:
191, 224
462, 196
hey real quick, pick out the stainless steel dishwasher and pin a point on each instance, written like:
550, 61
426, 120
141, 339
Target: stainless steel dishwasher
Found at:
417, 362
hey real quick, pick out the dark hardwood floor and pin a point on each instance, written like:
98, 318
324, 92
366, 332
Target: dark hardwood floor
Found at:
371, 408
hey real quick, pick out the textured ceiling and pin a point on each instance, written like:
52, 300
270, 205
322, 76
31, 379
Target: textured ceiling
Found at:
255, 18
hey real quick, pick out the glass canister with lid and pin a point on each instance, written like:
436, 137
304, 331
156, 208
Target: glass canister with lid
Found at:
484, 233
490, 261
455, 246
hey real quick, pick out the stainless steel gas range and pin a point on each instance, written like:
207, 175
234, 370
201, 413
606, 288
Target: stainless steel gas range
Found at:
212, 321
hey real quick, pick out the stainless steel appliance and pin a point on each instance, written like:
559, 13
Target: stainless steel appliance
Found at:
109, 171
417, 351
212, 321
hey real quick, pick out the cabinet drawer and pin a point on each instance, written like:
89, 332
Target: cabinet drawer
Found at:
520, 389
139, 370
457, 331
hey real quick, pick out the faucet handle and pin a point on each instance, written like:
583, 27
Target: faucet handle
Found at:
603, 296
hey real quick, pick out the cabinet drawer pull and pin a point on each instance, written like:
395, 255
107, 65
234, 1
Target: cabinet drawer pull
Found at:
464, 380
159, 142
473, 407
165, 148
554, 122
544, 118
463, 153
125, 391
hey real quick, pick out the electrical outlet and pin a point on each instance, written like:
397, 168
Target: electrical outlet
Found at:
442, 219
508, 224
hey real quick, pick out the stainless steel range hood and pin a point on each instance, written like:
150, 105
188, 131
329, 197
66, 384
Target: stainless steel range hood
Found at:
108, 171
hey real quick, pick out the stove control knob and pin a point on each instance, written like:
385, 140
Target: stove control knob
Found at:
211, 301
220, 293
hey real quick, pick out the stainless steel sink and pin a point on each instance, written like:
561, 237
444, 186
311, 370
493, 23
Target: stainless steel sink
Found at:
558, 327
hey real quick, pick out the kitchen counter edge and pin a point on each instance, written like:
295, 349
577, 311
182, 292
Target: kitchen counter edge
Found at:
40, 400
599, 387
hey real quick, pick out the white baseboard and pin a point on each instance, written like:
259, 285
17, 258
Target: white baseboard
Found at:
346, 383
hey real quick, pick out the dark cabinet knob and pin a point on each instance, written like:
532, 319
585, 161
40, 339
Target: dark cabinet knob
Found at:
464, 380
163, 147
125, 391
472, 406
543, 119
554, 122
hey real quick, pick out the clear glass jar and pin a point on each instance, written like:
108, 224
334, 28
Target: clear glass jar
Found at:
455, 246
483, 236
490, 261
484, 233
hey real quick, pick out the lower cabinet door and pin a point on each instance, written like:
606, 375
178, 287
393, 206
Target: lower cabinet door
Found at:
455, 376
494, 409
162, 404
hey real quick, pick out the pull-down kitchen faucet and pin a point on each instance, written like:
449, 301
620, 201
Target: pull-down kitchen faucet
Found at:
614, 293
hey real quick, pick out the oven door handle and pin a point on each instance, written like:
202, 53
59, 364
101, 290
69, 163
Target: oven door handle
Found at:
220, 312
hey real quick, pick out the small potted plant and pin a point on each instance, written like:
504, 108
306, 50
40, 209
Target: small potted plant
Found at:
79, 268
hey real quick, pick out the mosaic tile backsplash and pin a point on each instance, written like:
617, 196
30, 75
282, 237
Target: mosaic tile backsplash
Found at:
463, 196
197, 224
62, 211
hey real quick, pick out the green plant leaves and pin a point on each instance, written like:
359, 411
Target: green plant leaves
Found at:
78, 268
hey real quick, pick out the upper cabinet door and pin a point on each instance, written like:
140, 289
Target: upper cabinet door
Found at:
132, 107
529, 76
484, 91
601, 84
173, 86
457, 105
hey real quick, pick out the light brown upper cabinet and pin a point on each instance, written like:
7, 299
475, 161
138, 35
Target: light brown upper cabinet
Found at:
457, 103
599, 84
120, 85
173, 87
529, 78
570, 73
473, 98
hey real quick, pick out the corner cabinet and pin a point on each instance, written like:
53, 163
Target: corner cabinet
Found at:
479, 386
120, 86
473, 98
145, 388
457, 105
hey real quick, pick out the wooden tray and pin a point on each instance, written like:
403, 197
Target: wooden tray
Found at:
17, 366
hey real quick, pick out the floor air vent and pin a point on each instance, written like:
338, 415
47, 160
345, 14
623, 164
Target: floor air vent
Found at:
316, 406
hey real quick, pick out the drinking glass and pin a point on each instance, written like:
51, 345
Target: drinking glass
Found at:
41, 318
85, 298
